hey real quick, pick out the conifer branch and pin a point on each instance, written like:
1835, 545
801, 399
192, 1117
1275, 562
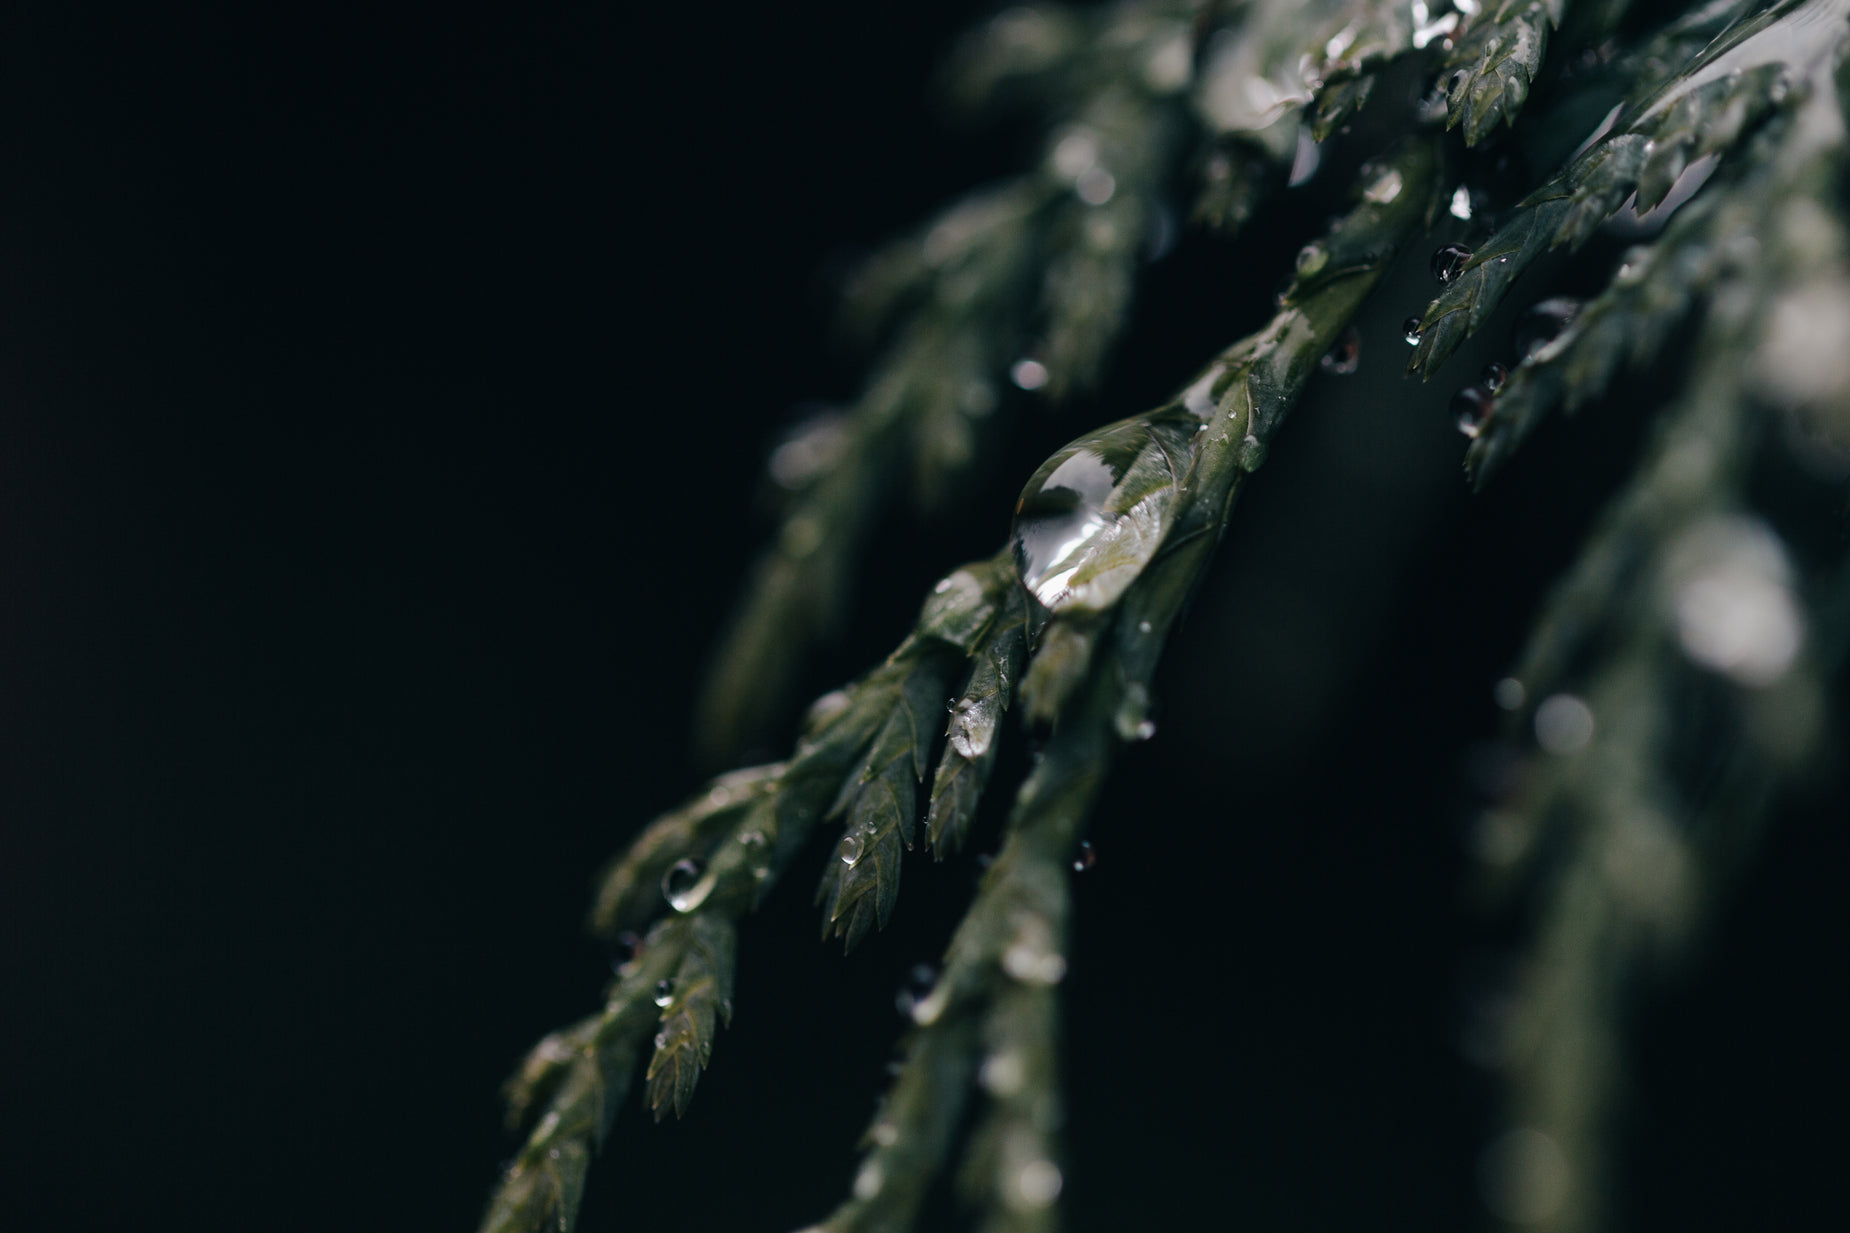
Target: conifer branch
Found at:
1031, 277
1737, 82
1494, 64
1715, 238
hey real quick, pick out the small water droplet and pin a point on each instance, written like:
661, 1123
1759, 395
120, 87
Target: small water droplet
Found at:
1096, 186
1509, 693
1410, 330
1346, 356
1086, 858
1541, 323
664, 992
868, 1181
1494, 377
884, 1133
1144, 730
1449, 262
752, 839
918, 987
1029, 374
1143, 627
1311, 258
1470, 407
686, 886
853, 845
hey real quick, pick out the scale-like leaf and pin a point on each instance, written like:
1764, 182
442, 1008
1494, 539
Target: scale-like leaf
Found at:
1493, 66
700, 997
975, 725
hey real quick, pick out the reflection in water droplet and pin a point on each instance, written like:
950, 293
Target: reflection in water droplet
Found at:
853, 845
1049, 543
664, 992
1541, 323
685, 886
1449, 262
1410, 330
1086, 858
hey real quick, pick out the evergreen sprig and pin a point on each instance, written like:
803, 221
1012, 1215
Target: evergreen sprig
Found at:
1615, 842
1713, 238
1030, 277
1706, 110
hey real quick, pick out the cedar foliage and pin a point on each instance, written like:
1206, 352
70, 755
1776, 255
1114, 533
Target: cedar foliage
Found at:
1723, 152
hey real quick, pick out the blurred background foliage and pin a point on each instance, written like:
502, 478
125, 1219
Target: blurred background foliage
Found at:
386, 397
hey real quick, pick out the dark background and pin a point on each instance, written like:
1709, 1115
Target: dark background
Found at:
383, 392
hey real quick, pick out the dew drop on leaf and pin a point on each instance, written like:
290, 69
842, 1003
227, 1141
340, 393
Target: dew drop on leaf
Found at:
852, 847
664, 993
1449, 262
1410, 330
1494, 377
685, 886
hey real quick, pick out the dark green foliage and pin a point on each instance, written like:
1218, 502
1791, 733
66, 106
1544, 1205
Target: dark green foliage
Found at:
1064, 626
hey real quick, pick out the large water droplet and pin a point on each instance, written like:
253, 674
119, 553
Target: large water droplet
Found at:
853, 846
1095, 513
1346, 356
687, 885
1541, 323
973, 725
1449, 262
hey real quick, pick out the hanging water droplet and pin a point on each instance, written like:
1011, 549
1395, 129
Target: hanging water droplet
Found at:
664, 992
1470, 407
1410, 330
686, 886
918, 987
1086, 858
1346, 356
1449, 262
1494, 377
1542, 323
852, 846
